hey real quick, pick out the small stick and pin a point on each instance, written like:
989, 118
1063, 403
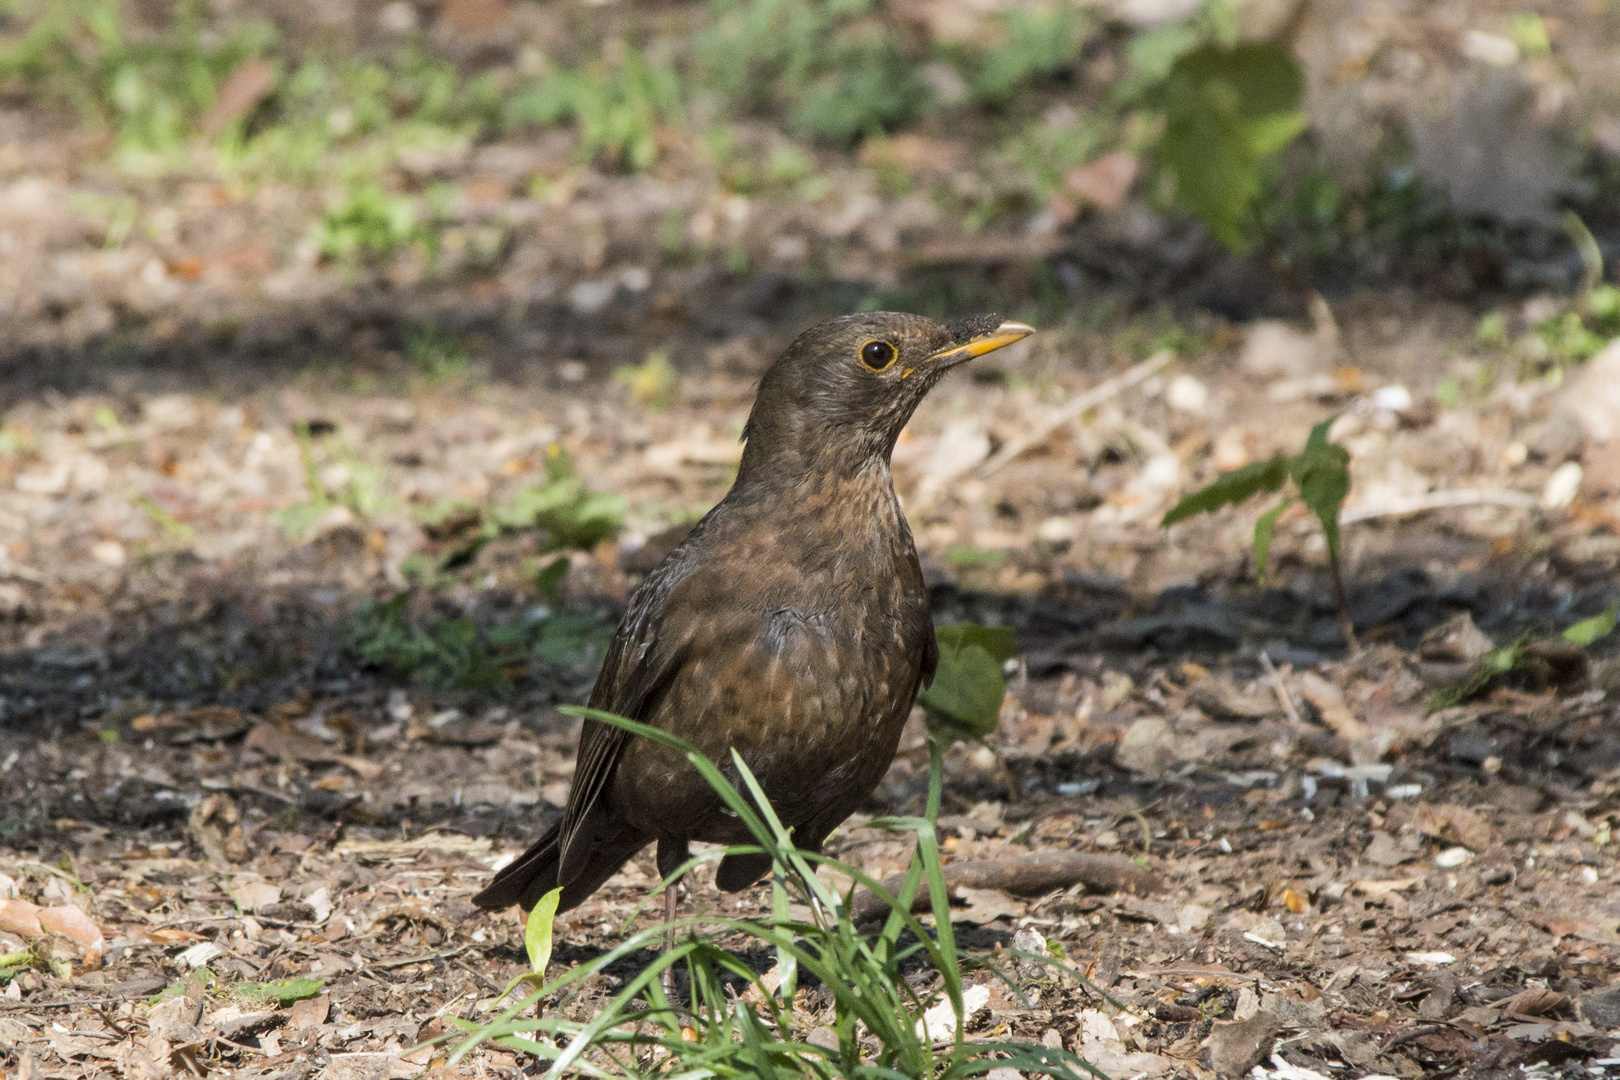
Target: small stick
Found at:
1277, 687
1346, 626
1076, 406
1438, 500
1024, 875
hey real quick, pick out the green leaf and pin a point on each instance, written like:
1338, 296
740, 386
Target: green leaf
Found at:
1589, 632
283, 993
549, 579
1228, 111
998, 641
537, 931
1228, 488
1322, 474
299, 518
1318, 437
1262, 538
964, 700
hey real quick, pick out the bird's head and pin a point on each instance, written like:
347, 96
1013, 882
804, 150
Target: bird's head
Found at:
838, 397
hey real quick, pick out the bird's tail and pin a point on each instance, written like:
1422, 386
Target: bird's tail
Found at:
534, 873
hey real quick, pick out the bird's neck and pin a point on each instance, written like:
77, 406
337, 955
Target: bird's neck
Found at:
781, 468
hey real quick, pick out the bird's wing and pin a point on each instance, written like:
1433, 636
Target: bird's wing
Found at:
639, 665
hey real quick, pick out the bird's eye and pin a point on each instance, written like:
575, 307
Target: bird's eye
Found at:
877, 355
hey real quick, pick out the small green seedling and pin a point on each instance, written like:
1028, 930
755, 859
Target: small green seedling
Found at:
964, 699
1321, 477
653, 383
1527, 653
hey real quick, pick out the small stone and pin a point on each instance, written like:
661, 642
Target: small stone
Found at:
1593, 396
1562, 486
1455, 640
1237, 1046
1186, 394
1452, 858
108, 553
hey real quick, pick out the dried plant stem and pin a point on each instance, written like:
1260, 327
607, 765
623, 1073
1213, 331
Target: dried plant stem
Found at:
1346, 627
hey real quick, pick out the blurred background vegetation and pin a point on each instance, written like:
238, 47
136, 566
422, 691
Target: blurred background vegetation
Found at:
1022, 118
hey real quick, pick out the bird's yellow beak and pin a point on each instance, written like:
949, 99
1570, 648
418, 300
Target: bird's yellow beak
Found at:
1000, 337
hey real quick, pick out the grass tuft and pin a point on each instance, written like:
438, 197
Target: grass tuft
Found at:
737, 1022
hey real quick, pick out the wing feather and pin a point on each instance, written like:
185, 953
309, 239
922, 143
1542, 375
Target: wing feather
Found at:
639, 666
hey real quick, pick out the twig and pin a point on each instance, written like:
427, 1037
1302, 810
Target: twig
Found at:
1023, 875
1283, 697
1194, 973
426, 958
1413, 1033
1438, 500
89, 1002
1075, 407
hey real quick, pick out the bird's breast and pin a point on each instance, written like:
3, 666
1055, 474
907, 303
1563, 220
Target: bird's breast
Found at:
811, 626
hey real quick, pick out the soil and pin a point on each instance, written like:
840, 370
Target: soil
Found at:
196, 756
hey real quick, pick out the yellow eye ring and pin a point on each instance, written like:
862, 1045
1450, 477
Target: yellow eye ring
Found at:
879, 355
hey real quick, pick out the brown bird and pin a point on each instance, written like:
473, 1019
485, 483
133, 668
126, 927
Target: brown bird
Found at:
792, 624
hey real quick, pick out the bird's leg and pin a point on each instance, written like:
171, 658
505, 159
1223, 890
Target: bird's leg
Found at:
671, 854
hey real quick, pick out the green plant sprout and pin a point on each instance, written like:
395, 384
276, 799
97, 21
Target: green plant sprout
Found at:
653, 383
1524, 654
1320, 474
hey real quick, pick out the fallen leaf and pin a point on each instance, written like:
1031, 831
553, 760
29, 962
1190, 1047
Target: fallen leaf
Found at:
1106, 181
1560, 928
1375, 889
364, 768
1383, 850
253, 895
274, 741
1532, 1001
200, 954
309, 1013
28, 920
210, 723
1456, 824
985, 906
21, 918
1329, 702
248, 85
1431, 959
77, 927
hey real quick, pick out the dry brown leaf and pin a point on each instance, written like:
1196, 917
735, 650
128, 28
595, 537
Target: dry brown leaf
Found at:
1105, 182
21, 918
1532, 1001
29, 920
1376, 889
1329, 702
364, 768
78, 928
275, 741
253, 895
1456, 824
309, 1013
